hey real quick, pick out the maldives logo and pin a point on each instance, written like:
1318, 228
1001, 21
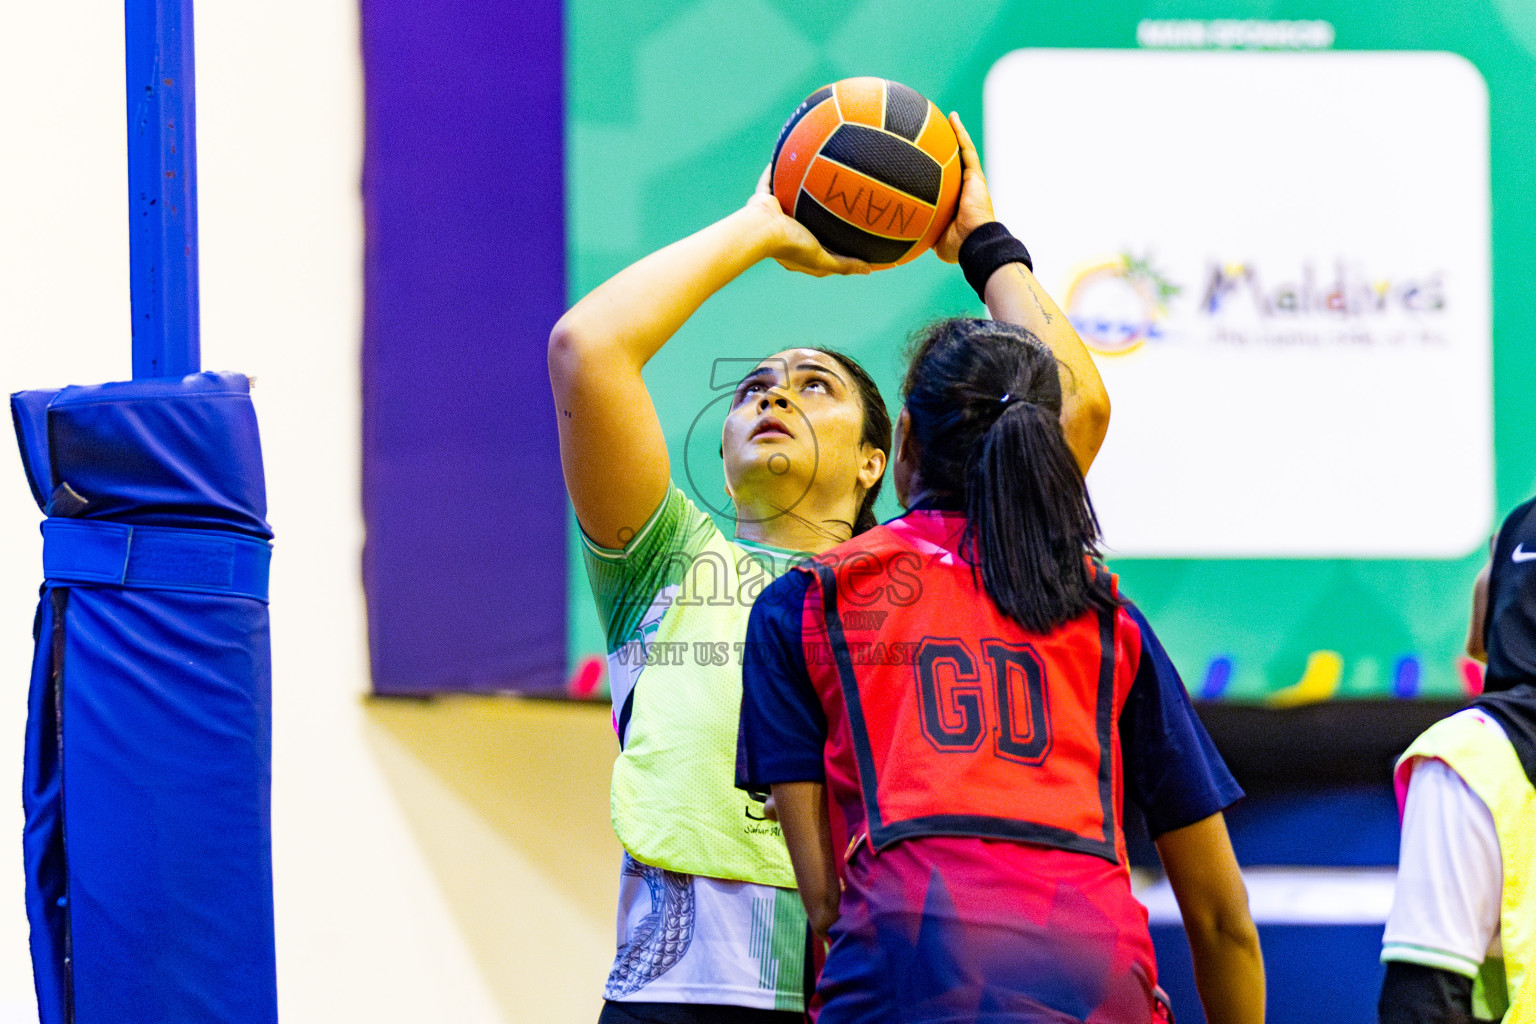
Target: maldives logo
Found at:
1119, 305
1345, 292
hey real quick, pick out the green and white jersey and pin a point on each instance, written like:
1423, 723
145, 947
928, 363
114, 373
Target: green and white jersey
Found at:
694, 939
707, 909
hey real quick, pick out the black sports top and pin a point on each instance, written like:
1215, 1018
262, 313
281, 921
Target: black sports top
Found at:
1509, 634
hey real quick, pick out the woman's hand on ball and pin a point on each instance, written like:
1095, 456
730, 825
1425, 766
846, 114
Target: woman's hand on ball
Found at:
975, 208
792, 244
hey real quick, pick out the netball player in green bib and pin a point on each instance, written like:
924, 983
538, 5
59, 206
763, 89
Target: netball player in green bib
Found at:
710, 927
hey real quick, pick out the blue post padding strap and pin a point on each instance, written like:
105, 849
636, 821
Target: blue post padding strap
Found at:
82, 551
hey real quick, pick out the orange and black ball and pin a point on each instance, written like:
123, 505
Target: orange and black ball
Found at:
871, 168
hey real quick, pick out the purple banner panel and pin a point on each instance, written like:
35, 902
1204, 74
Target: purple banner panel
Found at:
463, 189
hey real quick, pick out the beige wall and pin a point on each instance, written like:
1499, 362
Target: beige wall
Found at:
447, 861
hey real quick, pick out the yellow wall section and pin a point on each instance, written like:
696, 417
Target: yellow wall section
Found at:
508, 800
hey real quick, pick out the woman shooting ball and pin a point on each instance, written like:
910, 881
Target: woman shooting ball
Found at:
710, 927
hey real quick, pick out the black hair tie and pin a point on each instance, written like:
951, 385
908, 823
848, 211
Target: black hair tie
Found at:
987, 248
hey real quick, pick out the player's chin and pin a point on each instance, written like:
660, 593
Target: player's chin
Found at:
774, 465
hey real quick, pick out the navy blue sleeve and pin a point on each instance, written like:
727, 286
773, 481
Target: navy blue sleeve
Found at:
1173, 771
783, 726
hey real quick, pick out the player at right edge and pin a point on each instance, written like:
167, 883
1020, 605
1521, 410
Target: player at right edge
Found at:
1460, 943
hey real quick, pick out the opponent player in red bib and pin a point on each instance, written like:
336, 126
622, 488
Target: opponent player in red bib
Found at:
949, 708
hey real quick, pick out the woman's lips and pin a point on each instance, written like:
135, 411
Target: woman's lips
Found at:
769, 427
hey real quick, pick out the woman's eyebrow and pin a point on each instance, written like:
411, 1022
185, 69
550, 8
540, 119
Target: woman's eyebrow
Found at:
817, 367
822, 369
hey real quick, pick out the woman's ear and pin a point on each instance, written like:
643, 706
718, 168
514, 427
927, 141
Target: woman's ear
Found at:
873, 467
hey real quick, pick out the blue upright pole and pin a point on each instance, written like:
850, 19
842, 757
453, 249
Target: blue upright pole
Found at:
147, 772
162, 188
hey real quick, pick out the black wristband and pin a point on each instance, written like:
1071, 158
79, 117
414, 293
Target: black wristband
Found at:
984, 250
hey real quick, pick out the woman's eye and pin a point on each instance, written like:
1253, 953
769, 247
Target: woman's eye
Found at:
818, 384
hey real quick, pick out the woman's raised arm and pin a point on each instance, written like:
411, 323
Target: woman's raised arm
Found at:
1013, 295
611, 444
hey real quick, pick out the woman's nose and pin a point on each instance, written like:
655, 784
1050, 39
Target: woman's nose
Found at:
769, 398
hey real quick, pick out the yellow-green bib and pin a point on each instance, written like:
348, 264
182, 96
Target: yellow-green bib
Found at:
676, 605
1486, 761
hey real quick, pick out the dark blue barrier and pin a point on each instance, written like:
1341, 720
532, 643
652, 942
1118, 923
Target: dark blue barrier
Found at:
1342, 826
1317, 974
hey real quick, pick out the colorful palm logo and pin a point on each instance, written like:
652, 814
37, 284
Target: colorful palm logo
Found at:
1120, 304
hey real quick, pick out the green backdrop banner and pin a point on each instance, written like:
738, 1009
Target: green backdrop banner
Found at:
674, 108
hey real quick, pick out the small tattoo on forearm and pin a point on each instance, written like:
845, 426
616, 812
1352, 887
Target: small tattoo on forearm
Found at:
1044, 314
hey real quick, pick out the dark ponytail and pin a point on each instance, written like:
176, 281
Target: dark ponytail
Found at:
984, 399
